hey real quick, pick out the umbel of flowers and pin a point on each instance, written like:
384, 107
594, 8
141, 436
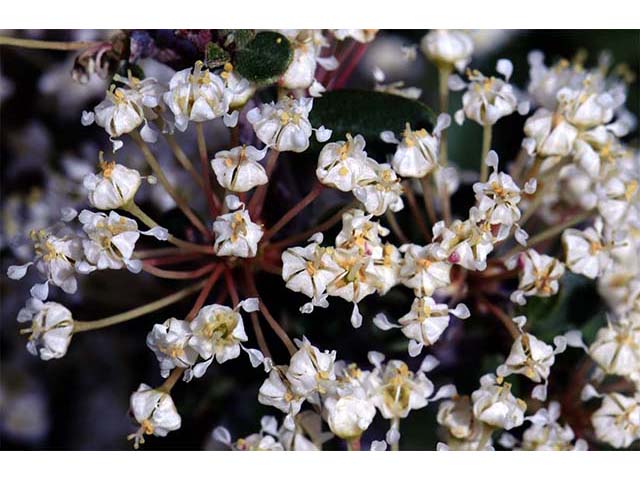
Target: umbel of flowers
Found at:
574, 174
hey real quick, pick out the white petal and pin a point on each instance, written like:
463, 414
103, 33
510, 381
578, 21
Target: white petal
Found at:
378, 446
505, 67
40, 291
461, 311
381, 321
87, 118
429, 363
356, 317
68, 214
250, 305
389, 137
222, 435
232, 202
16, 272
492, 159
323, 134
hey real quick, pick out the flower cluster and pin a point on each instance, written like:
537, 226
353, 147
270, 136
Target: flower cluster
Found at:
574, 180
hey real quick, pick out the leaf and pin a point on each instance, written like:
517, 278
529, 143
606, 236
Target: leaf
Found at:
265, 58
368, 113
215, 55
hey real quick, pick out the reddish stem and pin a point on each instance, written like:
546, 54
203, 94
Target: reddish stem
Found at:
212, 199
257, 201
177, 275
231, 286
204, 293
171, 259
291, 214
355, 60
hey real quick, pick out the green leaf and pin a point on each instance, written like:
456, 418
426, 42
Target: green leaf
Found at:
368, 113
215, 55
265, 58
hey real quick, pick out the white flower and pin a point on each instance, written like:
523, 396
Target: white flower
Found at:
382, 193
310, 370
397, 390
549, 134
236, 235
217, 332
426, 322
465, 243
343, 165
358, 230
356, 279
111, 241
617, 348
448, 48
546, 434
56, 258
306, 45
588, 251
487, 99
126, 108
170, 342
51, 328
493, 403
545, 82
529, 357
349, 415
586, 108
309, 270
617, 421
276, 391
196, 96
155, 412
284, 125
457, 416
238, 169
539, 276
424, 268
417, 153
114, 187
498, 198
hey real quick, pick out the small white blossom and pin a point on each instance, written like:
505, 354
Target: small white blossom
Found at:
56, 258
617, 421
114, 187
350, 415
51, 328
588, 252
310, 370
424, 268
493, 403
284, 125
382, 193
309, 270
397, 390
539, 276
170, 343
417, 153
196, 96
448, 48
127, 107
344, 165
238, 169
217, 332
487, 99
236, 235
112, 240
617, 348
155, 412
